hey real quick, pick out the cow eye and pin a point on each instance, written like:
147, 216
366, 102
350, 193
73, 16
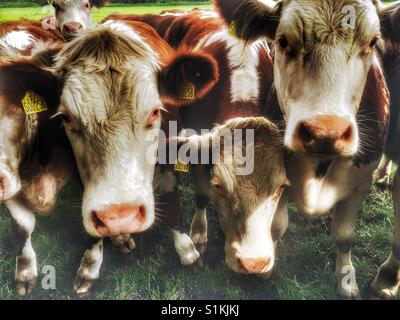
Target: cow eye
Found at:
87, 6
283, 43
373, 42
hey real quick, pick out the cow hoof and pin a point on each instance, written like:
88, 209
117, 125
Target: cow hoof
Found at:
82, 286
23, 288
369, 293
124, 243
348, 294
190, 257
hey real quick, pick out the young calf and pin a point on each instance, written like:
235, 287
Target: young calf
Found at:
35, 158
249, 206
72, 16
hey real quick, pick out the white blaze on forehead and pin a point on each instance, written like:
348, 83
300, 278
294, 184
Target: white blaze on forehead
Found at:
113, 109
243, 62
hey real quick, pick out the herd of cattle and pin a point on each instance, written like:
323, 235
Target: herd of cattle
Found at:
323, 99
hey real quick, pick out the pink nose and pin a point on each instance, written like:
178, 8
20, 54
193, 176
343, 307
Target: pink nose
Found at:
72, 27
326, 135
118, 219
3, 188
254, 266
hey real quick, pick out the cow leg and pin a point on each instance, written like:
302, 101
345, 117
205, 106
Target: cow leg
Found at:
382, 174
199, 226
387, 281
342, 230
89, 269
23, 222
124, 243
171, 210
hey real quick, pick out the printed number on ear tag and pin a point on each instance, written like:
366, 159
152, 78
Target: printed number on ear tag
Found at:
188, 91
33, 103
181, 167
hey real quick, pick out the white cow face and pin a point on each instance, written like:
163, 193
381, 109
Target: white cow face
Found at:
73, 16
323, 53
113, 93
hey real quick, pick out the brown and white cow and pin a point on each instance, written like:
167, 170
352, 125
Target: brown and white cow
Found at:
387, 281
251, 235
72, 16
35, 158
334, 101
26, 37
115, 80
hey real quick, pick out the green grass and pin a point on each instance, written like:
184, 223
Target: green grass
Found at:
7, 14
306, 255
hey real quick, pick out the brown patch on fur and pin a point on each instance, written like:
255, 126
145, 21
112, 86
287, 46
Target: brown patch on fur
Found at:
372, 118
34, 28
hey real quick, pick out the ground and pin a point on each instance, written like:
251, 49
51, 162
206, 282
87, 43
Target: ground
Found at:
304, 269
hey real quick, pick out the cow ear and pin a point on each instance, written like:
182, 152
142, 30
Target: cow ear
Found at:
18, 78
187, 77
390, 22
98, 3
250, 19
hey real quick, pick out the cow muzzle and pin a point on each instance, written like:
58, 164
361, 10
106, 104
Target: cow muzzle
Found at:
326, 135
71, 29
116, 220
254, 266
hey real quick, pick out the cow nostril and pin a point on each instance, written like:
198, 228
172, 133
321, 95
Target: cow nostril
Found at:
304, 133
142, 213
96, 221
348, 134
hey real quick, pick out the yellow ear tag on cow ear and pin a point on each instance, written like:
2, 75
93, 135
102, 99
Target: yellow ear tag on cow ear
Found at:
181, 167
188, 91
233, 29
33, 103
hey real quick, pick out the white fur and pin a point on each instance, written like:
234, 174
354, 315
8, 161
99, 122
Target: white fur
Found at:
184, 246
243, 61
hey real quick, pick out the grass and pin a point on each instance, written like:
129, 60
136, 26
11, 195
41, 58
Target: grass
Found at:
36, 13
304, 269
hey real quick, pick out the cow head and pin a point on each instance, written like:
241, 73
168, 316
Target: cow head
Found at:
246, 204
114, 90
323, 52
19, 139
73, 16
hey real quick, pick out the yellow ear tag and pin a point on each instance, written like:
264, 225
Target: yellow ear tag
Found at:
33, 103
188, 91
233, 29
181, 167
